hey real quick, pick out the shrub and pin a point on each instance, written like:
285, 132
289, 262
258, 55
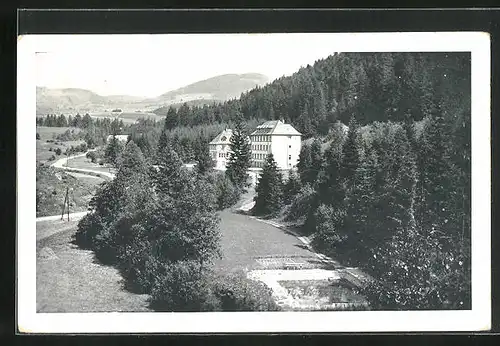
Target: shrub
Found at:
238, 293
182, 286
37, 136
328, 222
92, 156
227, 193
58, 151
52, 158
301, 203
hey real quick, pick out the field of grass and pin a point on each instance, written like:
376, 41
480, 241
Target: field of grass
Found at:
51, 189
127, 117
69, 279
43, 148
246, 241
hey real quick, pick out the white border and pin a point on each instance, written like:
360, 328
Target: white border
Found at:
479, 318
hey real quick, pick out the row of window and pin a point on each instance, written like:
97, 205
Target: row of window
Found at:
259, 156
261, 147
224, 155
261, 138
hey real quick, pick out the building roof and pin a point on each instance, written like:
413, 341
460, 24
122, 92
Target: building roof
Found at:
122, 138
223, 137
275, 127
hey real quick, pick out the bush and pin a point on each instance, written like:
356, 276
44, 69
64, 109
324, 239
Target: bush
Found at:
52, 158
37, 136
238, 293
182, 286
227, 193
301, 203
92, 156
328, 222
58, 151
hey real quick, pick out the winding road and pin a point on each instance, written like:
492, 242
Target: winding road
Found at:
61, 164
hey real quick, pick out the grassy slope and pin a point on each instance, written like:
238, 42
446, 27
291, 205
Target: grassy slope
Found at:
51, 191
69, 279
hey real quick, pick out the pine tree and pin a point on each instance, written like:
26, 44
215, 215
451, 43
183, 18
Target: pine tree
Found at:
305, 162
269, 189
113, 151
350, 153
240, 156
291, 188
316, 162
202, 157
434, 182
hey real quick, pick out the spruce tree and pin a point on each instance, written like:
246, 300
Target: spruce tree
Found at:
269, 190
305, 163
240, 156
316, 162
202, 156
291, 188
113, 151
350, 155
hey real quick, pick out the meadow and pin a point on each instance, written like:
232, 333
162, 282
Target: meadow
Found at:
47, 145
127, 117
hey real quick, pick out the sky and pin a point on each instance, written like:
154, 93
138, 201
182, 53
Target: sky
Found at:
150, 65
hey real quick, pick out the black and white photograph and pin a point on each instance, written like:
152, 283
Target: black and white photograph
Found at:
254, 182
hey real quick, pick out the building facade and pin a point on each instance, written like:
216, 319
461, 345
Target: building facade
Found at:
220, 150
278, 138
121, 138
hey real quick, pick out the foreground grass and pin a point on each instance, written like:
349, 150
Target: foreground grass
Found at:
69, 279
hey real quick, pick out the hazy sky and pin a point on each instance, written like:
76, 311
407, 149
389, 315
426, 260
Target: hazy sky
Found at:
149, 65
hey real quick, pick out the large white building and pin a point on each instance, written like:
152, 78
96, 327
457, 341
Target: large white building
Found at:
276, 137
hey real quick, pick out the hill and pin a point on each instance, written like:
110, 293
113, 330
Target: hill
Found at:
223, 87
215, 89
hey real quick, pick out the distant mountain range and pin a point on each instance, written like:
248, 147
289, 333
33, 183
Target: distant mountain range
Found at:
215, 89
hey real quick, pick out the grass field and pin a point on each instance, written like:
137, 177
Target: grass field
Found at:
43, 152
127, 117
69, 279
51, 190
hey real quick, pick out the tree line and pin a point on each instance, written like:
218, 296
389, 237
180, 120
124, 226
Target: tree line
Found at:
375, 87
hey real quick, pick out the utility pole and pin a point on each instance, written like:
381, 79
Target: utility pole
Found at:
66, 201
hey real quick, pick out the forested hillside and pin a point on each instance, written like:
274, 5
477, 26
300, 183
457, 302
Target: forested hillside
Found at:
373, 87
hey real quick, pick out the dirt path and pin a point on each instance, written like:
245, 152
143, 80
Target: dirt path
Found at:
69, 279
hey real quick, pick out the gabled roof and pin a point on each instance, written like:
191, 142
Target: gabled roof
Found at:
223, 137
275, 127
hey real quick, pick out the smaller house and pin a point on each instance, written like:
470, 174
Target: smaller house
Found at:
121, 138
220, 150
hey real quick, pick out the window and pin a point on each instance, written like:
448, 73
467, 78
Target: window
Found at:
289, 146
289, 157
